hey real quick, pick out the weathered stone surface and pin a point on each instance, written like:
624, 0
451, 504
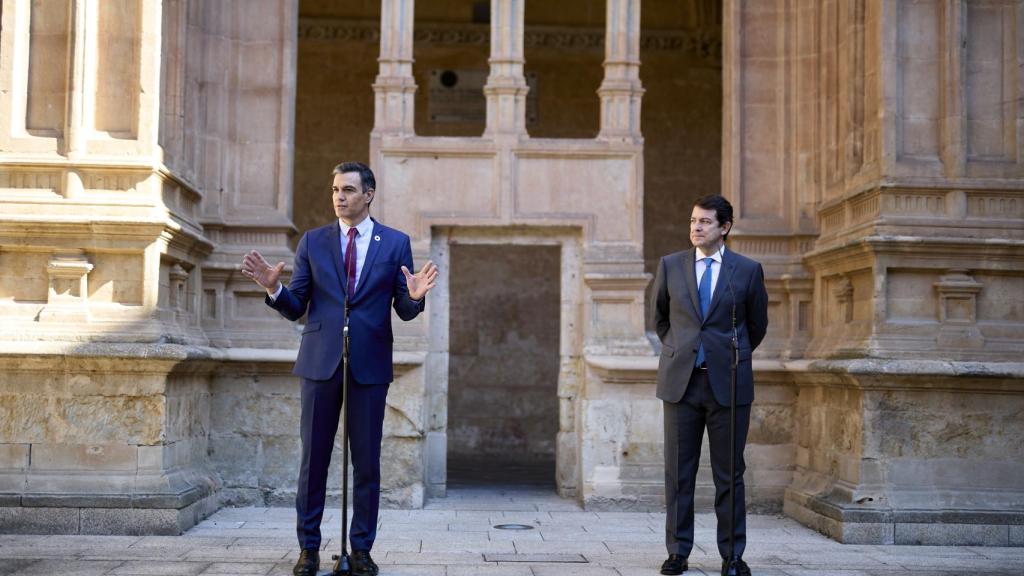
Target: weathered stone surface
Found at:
1017, 535
14, 456
17, 520
131, 521
93, 457
937, 534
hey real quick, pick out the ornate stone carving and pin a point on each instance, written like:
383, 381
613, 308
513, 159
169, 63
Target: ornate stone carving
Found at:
842, 291
67, 300
704, 45
958, 310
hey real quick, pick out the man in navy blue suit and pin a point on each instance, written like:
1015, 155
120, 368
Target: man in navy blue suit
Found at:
368, 263
704, 298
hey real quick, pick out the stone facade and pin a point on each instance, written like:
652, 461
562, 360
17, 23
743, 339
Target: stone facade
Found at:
872, 148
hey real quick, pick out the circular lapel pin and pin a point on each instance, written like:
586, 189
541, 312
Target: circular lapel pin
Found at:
377, 238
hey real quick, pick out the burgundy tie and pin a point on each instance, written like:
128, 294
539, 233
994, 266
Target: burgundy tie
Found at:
350, 261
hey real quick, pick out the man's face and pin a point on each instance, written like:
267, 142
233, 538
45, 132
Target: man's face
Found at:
351, 205
705, 232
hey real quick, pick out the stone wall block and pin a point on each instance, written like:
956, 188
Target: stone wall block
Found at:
771, 424
26, 419
278, 416
405, 413
14, 456
84, 457
151, 458
281, 461
82, 482
238, 458
234, 412
130, 419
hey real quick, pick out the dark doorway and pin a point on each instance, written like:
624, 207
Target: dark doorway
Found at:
503, 365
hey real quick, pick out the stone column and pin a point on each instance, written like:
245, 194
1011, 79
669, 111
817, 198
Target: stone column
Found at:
506, 86
916, 322
394, 88
621, 90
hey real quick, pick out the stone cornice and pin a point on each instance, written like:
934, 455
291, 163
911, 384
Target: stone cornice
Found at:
158, 353
916, 246
874, 373
705, 45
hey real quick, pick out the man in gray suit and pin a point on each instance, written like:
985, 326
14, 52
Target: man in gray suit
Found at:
703, 298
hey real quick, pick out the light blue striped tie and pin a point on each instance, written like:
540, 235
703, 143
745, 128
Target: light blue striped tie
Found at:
704, 293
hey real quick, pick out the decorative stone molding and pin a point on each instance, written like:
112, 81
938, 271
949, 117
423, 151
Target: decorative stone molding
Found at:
842, 293
67, 298
178, 294
616, 313
958, 310
704, 45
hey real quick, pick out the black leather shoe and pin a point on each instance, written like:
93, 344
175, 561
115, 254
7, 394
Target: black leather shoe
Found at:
675, 564
362, 564
308, 564
740, 568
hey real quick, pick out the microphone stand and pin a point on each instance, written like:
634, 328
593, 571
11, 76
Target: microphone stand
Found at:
341, 564
729, 569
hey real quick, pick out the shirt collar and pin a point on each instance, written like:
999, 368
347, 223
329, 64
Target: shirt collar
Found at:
364, 227
717, 256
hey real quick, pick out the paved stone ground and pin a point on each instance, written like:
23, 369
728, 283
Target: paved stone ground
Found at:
455, 537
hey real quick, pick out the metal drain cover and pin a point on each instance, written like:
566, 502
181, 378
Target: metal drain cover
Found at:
538, 558
514, 527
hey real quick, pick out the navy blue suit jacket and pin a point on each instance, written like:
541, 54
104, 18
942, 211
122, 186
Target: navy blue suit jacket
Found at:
681, 328
318, 285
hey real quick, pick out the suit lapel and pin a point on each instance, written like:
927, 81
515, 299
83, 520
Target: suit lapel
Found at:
724, 280
690, 279
371, 256
334, 240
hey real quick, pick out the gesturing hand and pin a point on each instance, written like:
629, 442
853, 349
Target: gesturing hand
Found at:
256, 267
421, 282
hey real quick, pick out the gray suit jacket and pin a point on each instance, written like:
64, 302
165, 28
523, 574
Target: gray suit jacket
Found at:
677, 319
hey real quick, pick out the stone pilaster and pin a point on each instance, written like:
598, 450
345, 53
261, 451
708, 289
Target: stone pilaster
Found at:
768, 152
621, 90
506, 86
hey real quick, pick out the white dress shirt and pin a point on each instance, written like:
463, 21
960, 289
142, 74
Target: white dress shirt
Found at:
365, 229
716, 266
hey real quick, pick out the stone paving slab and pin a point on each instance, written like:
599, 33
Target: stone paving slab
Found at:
455, 536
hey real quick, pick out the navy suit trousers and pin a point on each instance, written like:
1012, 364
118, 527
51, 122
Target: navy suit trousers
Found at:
685, 422
321, 407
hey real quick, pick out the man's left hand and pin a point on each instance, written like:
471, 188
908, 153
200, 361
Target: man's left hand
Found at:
421, 282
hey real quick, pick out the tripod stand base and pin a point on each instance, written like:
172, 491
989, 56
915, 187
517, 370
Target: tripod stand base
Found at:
341, 566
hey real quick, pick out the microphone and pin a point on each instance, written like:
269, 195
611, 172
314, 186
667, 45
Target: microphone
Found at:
732, 296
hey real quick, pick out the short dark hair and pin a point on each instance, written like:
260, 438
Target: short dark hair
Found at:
721, 206
365, 174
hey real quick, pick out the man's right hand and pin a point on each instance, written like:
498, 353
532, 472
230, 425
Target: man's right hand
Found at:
256, 267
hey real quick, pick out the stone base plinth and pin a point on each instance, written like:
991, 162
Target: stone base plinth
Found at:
909, 452
851, 524
155, 514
